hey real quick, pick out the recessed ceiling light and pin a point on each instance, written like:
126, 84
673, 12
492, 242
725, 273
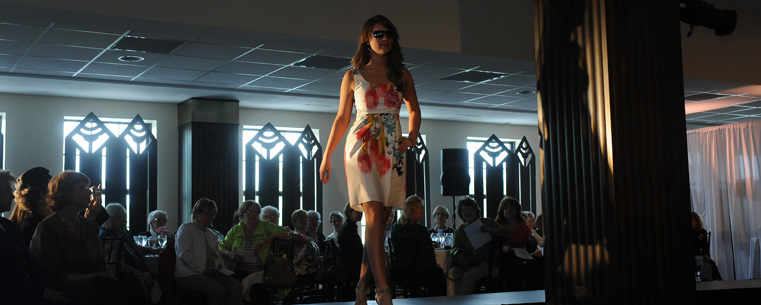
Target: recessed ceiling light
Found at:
131, 58
526, 92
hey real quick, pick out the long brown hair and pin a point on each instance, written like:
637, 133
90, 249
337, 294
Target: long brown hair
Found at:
394, 59
503, 206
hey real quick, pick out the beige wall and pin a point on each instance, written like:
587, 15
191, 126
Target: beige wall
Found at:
34, 137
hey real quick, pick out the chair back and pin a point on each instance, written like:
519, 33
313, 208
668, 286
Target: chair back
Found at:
282, 247
113, 251
708, 241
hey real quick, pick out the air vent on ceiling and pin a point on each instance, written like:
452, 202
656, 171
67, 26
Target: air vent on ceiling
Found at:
703, 97
149, 45
324, 62
474, 76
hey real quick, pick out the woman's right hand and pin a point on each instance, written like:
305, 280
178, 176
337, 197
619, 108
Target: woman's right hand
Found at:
325, 168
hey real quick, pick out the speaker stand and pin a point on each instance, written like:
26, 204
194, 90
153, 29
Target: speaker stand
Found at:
454, 213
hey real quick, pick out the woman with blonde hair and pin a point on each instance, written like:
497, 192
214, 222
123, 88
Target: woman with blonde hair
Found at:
440, 217
377, 86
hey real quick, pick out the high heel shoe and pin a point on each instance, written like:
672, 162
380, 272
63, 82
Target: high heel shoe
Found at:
383, 292
361, 292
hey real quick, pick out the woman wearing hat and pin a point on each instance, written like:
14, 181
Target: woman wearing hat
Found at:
31, 205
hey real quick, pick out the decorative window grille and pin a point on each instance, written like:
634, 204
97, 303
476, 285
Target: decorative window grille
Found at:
119, 155
499, 172
281, 172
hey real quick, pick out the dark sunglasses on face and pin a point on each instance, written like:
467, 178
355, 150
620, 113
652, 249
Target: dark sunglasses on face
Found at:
387, 33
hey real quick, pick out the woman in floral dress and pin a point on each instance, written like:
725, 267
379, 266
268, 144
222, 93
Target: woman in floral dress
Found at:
374, 152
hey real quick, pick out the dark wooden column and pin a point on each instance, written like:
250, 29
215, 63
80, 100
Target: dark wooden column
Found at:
615, 189
209, 148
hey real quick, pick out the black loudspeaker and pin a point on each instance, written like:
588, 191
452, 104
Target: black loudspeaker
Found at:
455, 180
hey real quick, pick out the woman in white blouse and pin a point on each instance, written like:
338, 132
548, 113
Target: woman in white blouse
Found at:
199, 264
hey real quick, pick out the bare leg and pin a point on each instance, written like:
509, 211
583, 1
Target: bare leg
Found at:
376, 215
364, 275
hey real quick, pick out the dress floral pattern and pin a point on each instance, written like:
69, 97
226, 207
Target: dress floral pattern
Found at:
374, 165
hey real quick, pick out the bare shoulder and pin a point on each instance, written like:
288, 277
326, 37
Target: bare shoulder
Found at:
349, 76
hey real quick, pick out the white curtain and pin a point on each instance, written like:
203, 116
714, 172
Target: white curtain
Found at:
726, 191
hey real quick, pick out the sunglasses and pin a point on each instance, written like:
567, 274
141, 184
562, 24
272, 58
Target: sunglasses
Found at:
386, 33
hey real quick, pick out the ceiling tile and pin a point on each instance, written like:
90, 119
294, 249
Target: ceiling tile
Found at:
114, 69
79, 38
485, 89
8, 60
230, 80
191, 63
170, 74
20, 32
304, 73
748, 111
752, 104
273, 57
445, 85
50, 64
44, 72
63, 52
424, 73
515, 80
247, 68
494, 100
277, 82
332, 87
12, 47
215, 51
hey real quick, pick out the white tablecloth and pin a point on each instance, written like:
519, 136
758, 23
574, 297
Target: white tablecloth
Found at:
754, 268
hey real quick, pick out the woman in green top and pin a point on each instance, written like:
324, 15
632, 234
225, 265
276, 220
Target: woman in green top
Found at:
471, 265
251, 234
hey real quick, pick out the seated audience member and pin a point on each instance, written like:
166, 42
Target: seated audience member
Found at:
156, 220
535, 267
336, 222
306, 255
510, 217
471, 264
413, 258
31, 203
253, 234
66, 245
21, 281
535, 241
116, 226
199, 263
350, 244
271, 214
703, 262
314, 220
440, 217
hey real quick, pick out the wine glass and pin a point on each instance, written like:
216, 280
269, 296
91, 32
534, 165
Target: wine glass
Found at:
449, 239
153, 242
162, 241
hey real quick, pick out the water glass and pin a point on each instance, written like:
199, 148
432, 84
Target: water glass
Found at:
162, 241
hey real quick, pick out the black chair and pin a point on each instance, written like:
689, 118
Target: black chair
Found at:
113, 251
